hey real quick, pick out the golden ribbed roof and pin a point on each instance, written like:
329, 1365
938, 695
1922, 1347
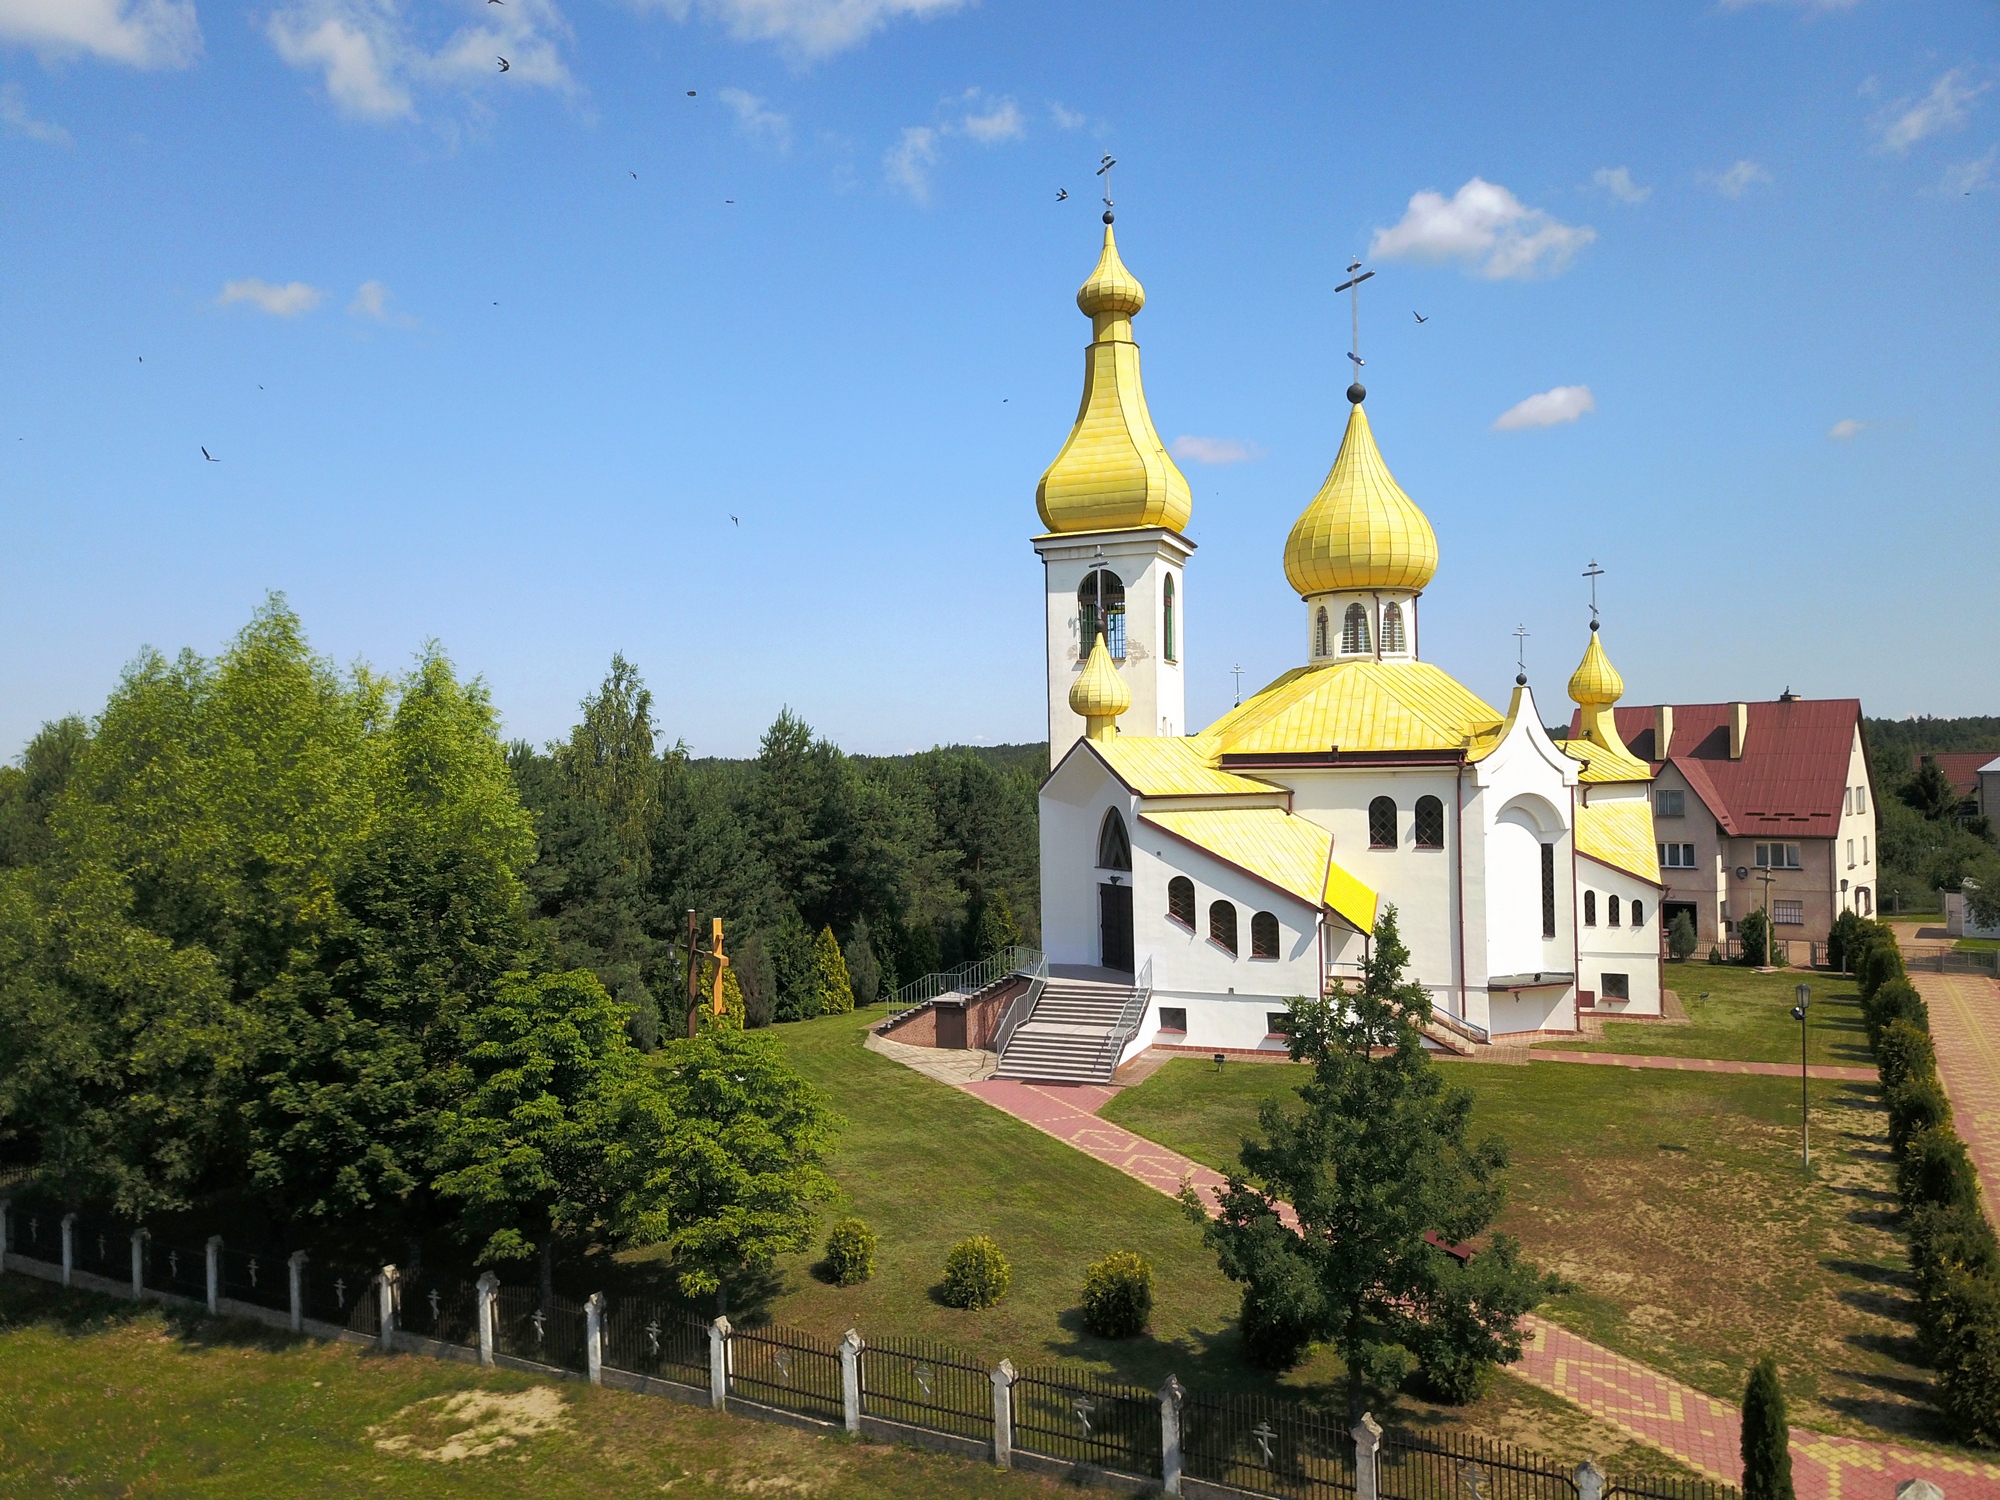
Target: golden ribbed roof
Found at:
1361, 531
1595, 681
1099, 692
1620, 834
1291, 853
1174, 767
1113, 473
1601, 763
1357, 705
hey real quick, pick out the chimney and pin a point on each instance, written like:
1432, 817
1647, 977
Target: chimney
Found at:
1663, 730
1739, 729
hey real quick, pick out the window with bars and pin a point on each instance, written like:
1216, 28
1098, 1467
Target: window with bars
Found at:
1429, 821
1321, 646
1180, 901
1264, 935
1611, 911
1392, 628
1173, 1018
1615, 986
1548, 890
1222, 924
1382, 823
1590, 908
1112, 621
1354, 631
1638, 914
1788, 913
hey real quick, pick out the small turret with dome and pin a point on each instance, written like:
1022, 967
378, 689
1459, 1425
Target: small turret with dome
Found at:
1099, 695
1595, 687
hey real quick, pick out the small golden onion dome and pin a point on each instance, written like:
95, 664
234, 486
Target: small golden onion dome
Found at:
1099, 694
1361, 531
1595, 683
1111, 288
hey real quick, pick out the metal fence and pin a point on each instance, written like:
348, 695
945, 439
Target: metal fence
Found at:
929, 1385
1266, 1446
256, 1276
439, 1306
102, 1245
1447, 1466
549, 1333
343, 1295
968, 978
1668, 1488
785, 1368
170, 1266
660, 1339
1061, 1414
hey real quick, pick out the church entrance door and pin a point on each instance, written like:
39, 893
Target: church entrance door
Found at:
1114, 925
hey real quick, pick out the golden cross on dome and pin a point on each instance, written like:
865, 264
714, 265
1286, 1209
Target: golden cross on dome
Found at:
1353, 284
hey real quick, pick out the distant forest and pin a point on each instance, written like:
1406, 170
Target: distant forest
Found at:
1931, 839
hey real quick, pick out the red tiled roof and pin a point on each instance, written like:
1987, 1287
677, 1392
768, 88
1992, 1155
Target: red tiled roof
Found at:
1791, 779
1961, 767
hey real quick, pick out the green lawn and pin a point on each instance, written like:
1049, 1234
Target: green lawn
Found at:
100, 1398
1740, 1015
1976, 945
1676, 1202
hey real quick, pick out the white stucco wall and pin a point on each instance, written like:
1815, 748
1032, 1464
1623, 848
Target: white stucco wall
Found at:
1629, 949
1857, 831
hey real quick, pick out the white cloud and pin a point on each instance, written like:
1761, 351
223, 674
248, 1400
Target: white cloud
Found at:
1482, 225
1941, 110
1208, 450
806, 28
1550, 409
1737, 180
15, 116
141, 33
1619, 184
1971, 176
1844, 429
1001, 123
908, 163
372, 62
371, 300
286, 301
1066, 119
760, 122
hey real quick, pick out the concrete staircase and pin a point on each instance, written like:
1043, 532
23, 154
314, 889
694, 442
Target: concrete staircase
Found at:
1071, 1036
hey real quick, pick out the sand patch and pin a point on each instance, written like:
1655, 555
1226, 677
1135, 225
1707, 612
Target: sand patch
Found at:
470, 1424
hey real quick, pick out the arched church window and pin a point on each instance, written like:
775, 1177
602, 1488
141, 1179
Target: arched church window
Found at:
1112, 622
1590, 908
1114, 846
1320, 644
1638, 914
1264, 935
1167, 635
1222, 924
1382, 823
1611, 910
1354, 631
1180, 901
1392, 628
1429, 823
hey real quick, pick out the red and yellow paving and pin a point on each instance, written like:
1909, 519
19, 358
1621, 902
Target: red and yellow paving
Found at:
1965, 1027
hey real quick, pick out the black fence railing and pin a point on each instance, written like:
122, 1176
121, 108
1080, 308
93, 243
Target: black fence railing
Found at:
261, 1277
1449, 1466
102, 1246
1079, 1419
171, 1266
346, 1296
549, 1333
438, 1306
1667, 1487
786, 1368
922, 1384
661, 1339
1266, 1446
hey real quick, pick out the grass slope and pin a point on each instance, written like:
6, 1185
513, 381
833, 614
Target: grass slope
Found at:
1739, 1015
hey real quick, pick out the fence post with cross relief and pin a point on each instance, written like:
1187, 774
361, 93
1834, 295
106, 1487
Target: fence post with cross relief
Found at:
850, 1380
593, 1338
1367, 1446
1171, 1395
1003, 1414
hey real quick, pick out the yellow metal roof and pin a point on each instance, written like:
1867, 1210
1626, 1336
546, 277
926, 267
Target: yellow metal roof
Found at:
1595, 680
1356, 705
1361, 531
1099, 693
1605, 763
1620, 834
1292, 853
1113, 473
1173, 767
1595, 686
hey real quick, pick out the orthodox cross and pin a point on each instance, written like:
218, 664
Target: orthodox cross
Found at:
1353, 285
1593, 573
1521, 651
1238, 671
1105, 172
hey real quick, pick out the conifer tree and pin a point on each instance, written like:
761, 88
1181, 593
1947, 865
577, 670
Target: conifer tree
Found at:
831, 986
1767, 1450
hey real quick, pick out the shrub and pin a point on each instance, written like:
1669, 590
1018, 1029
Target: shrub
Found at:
1880, 962
850, 1252
833, 990
1936, 1169
1767, 1443
1680, 937
1915, 1104
1714, 954
1273, 1339
1897, 1000
1118, 1296
1755, 932
1968, 1357
975, 1274
1843, 940
1947, 1239
1903, 1051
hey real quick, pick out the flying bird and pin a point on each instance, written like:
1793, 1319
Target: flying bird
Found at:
690, 93
728, 200
504, 65
1061, 193
734, 521
635, 176
1418, 316
205, 454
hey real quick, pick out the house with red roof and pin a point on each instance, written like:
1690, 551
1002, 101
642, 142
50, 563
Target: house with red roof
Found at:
1759, 806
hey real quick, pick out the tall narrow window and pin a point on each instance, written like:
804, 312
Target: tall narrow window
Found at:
1264, 935
1429, 823
1638, 914
1382, 823
1548, 890
1222, 924
1590, 908
1392, 628
1170, 651
1114, 845
1611, 910
1320, 644
1180, 901
1861, 799
1112, 622
1354, 631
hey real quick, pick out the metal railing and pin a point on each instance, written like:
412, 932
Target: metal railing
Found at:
1459, 1026
922, 1384
966, 979
1080, 1418
1130, 1019
1022, 1006
1266, 1446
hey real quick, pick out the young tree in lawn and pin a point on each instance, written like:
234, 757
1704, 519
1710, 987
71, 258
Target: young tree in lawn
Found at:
833, 990
1767, 1439
1681, 940
1375, 1161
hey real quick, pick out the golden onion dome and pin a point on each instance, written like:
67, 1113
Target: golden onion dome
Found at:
1595, 683
1361, 531
1114, 473
1099, 694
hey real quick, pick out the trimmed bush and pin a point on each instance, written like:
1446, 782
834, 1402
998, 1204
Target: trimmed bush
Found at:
1903, 1051
1946, 1240
1118, 1296
1754, 931
1897, 1000
1844, 939
1914, 1105
975, 1274
1880, 962
850, 1252
1968, 1357
1936, 1168
1767, 1442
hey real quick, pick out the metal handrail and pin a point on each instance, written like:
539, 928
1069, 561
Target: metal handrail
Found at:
1130, 1018
1022, 1005
1460, 1025
967, 978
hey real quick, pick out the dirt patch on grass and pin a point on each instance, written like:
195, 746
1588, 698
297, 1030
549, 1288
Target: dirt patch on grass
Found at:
470, 1424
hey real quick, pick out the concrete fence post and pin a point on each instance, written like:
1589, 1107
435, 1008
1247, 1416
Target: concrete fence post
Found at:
1589, 1481
1367, 1448
388, 1287
215, 1274
489, 1291
68, 1246
718, 1364
850, 1380
295, 1269
1003, 1414
139, 1237
593, 1337
1171, 1395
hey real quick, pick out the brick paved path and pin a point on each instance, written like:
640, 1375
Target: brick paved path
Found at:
1706, 1065
1700, 1431
1965, 1025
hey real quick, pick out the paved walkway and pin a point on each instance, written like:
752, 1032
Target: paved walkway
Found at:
1707, 1065
1695, 1428
1965, 1026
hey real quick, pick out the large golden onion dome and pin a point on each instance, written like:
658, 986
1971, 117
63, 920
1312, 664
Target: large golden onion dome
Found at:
1099, 695
1361, 531
1595, 683
1114, 473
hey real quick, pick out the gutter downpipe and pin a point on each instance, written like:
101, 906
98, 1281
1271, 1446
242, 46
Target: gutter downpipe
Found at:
1458, 857
1575, 929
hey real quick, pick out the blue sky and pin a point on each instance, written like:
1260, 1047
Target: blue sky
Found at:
470, 378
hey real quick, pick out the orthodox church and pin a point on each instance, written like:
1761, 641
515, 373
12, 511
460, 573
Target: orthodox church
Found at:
1216, 874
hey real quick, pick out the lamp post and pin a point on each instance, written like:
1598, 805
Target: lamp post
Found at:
1804, 993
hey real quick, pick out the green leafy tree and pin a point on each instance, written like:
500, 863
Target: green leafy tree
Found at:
1681, 941
833, 992
29, 792
1375, 1161
1767, 1438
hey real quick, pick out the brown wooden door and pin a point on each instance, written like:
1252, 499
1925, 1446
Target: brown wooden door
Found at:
951, 1025
1114, 925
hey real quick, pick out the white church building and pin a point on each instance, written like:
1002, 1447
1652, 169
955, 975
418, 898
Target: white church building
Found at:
1210, 876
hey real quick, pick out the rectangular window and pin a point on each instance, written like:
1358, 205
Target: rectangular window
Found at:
1788, 913
1864, 848
1670, 804
1847, 803
1850, 854
1676, 856
1548, 890
1173, 1018
1861, 799
1777, 856
1615, 986
1278, 1023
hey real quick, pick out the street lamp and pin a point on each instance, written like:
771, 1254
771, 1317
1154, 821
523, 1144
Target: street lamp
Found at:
1804, 993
